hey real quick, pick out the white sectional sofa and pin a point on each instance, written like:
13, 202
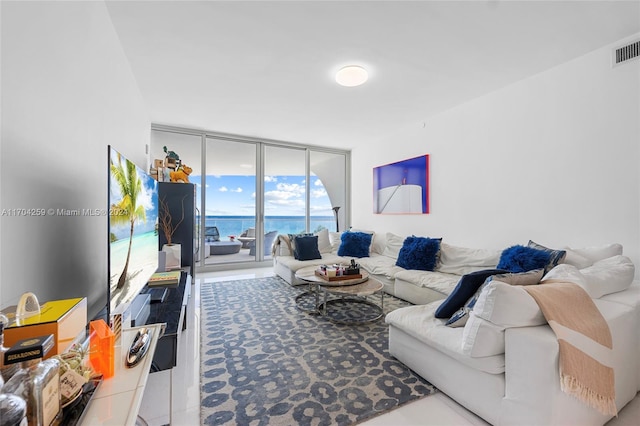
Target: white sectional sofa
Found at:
417, 287
503, 364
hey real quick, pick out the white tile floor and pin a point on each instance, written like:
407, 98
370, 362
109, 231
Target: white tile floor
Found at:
184, 379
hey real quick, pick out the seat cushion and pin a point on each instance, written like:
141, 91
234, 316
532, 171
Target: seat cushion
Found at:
419, 322
378, 264
292, 264
438, 281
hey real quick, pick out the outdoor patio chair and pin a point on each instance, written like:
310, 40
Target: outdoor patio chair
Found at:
269, 238
247, 236
211, 234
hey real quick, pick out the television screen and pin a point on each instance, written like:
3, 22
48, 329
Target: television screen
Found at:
133, 231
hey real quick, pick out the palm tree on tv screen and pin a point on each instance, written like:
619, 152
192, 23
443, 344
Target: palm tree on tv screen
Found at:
127, 210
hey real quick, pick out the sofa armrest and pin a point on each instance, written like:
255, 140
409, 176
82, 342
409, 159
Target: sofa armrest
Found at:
532, 380
531, 373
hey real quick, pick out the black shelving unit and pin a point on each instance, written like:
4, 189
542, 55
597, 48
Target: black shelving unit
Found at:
180, 197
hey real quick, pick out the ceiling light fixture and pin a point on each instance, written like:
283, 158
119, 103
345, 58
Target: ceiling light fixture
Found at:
352, 75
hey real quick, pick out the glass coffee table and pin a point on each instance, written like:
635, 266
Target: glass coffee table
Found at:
344, 301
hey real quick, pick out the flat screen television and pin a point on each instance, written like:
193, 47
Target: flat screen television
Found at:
133, 230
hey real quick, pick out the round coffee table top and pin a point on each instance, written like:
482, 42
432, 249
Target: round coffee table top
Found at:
308, 273
366, 288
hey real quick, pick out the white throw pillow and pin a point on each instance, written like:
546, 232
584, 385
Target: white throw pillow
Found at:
334, 238
283, 243
462, 260
608, 276
324, 244
595, 254
603, 277
482, 338
507, 306
393, 245
577, 260
566, 272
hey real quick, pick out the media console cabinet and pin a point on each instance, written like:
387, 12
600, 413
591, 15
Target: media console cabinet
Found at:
117, 400
172, 311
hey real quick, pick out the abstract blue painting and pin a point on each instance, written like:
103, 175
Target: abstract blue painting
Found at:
402, 187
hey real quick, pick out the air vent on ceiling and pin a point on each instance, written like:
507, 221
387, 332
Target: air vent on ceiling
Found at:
626, 53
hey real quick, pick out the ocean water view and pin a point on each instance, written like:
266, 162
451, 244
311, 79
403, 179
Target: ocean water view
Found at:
236, 225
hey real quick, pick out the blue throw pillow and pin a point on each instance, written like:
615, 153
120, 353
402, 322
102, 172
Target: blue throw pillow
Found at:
523, 259
354, 244
555, 256
306, 248
466, 287
419, 253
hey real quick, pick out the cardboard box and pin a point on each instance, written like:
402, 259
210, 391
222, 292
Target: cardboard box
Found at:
65, 319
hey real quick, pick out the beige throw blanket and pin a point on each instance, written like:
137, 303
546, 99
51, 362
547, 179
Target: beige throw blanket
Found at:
585, 342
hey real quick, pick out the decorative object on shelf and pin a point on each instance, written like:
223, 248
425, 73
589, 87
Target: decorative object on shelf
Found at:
335, 211
168, 227
139, 347
164, 278
172, 160
75, 372
181, 175
65, 319
102, 348
173, 256
27, 307
402, 187
38, 382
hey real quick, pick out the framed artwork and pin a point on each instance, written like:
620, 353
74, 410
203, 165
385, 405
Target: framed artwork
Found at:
402, 187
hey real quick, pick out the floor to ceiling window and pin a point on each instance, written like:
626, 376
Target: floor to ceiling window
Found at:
230, 200
249, 190
328, 196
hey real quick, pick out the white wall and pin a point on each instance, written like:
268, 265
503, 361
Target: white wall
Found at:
67, 92
553, 158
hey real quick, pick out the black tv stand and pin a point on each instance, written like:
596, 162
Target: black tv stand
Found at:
172, 312
158, 294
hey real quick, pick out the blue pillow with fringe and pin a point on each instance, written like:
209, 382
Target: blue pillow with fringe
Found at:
419, 253
354, 244
522, 259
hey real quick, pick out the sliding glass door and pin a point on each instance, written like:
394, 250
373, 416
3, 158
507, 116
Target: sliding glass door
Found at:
285, 193
248, 191
229, 201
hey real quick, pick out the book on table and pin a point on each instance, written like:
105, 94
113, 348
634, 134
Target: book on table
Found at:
164, 278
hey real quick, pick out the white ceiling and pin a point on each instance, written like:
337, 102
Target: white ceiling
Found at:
265, 69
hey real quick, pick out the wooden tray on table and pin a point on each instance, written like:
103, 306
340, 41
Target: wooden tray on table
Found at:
338, 278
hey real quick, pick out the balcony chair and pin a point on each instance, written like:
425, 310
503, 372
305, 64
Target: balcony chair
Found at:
247, 236
269, 238
211, 234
